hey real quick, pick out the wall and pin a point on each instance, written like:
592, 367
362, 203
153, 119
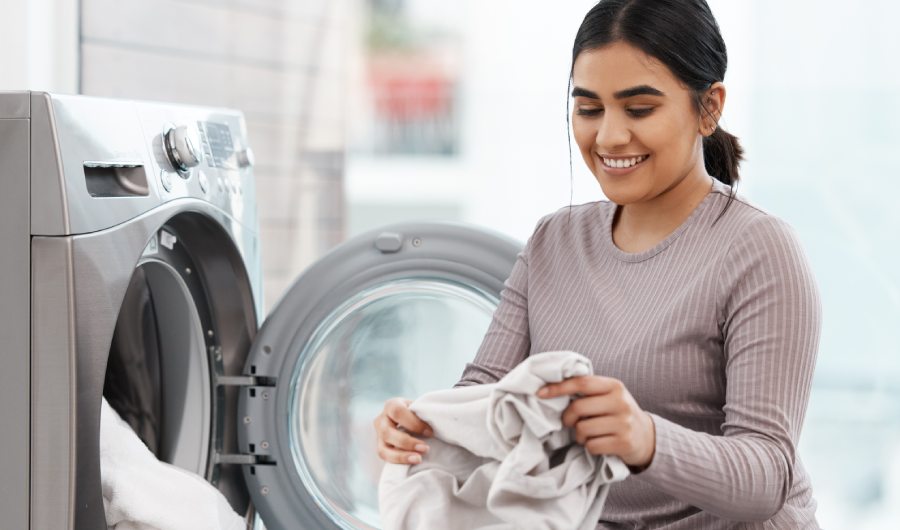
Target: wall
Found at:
39, 45
282, 62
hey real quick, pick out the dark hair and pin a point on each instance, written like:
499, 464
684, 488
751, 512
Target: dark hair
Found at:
683, 35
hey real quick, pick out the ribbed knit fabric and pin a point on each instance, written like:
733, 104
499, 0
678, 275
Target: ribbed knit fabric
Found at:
714, 331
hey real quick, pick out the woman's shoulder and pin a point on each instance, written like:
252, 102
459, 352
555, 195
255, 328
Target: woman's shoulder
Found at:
748, 224
759, 246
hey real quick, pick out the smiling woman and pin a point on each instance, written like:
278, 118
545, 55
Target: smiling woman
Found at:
647, 105
697, 308
641, 132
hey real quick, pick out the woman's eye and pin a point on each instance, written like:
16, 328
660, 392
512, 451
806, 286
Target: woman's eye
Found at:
640, 112
590, 111
594, 111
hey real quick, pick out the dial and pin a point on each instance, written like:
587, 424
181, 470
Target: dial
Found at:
183, 149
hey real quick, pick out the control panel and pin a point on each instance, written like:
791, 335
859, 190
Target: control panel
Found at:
200, 154
130, 156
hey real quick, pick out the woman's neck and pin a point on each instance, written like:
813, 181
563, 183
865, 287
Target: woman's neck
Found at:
641, 225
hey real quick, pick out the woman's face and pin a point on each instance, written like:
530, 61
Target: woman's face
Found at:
627, 105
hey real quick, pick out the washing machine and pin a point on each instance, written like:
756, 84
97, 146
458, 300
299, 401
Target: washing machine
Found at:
130, 270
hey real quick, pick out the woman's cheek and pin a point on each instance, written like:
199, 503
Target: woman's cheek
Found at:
586, 155
585, 142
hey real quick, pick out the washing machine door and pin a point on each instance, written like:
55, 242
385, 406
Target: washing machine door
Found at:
394, 312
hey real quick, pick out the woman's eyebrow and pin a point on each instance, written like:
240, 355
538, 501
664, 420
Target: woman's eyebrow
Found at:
638, 91
622, 94
583, 92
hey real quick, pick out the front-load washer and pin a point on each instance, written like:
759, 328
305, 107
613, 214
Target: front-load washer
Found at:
130, 269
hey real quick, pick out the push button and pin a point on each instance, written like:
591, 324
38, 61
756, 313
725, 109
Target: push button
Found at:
166, 179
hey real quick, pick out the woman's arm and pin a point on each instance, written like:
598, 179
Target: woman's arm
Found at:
771, 323
508, 340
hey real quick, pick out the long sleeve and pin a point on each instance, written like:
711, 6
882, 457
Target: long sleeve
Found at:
507, 341
769, 314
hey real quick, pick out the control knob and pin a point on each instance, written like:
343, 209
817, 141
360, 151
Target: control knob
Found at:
245, 158
182, 149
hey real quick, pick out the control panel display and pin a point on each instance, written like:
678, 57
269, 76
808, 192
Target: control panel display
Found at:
218, 145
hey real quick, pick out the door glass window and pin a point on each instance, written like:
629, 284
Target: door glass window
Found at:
400, 338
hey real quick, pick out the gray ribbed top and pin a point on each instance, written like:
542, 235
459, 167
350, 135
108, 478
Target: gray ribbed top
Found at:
714, 331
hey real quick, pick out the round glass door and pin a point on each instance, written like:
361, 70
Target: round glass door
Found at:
399, 338
398, 311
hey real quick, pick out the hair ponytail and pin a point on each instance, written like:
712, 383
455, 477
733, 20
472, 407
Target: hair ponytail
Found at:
722, 154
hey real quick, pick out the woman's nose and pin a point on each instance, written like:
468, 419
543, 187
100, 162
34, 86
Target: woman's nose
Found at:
612, 131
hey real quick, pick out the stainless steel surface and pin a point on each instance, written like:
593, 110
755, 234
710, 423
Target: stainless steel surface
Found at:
68, 130
15, 385
67, 260
53, 389
87, 276
49, 207
14, 105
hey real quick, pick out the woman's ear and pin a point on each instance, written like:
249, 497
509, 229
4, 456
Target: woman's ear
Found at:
713, 103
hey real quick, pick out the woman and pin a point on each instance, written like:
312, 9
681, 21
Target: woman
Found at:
698, 309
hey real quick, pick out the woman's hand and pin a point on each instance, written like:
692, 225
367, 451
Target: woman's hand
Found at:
395, 445
606, 418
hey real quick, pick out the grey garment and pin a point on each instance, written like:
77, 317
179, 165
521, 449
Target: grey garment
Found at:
714, 331
501, 459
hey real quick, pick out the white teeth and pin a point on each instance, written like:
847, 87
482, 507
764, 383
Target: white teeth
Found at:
623, 163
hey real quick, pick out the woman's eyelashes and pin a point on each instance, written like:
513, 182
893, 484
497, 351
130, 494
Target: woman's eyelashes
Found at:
640, 112
596, 111
588, 112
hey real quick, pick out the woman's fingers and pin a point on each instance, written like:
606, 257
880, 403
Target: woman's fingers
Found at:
599, 426
395, 427
396, 456
398, 411
404, 441
585, 385
631, 436
604, 445
588, 407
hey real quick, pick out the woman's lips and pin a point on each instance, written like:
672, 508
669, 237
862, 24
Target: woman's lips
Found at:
617, 171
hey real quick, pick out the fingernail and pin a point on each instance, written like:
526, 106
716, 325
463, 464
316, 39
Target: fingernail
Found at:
543, 392
422, 448
415, 459
428, 432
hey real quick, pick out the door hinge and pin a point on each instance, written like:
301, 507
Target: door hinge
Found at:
252, 383
244, 380
244, 459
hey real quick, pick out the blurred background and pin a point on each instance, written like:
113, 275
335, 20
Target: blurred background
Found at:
366, 112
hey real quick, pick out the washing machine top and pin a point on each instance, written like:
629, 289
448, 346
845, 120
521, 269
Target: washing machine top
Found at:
131, 156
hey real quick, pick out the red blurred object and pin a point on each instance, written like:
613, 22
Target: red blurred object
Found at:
405, 89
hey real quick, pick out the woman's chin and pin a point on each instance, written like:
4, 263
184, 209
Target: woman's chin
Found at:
618, 192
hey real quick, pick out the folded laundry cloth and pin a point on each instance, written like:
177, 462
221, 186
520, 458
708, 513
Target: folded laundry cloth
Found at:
142, 493
501, 459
